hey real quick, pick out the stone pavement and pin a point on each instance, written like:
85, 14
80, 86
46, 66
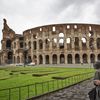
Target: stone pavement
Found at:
76, 92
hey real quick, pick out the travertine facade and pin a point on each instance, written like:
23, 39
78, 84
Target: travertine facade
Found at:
51, 44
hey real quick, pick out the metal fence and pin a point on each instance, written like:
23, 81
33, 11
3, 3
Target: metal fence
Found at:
29, 91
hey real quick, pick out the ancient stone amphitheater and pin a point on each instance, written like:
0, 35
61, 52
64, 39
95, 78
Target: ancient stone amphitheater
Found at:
51, 44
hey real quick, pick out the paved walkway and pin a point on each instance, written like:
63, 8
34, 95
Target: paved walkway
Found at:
76, 92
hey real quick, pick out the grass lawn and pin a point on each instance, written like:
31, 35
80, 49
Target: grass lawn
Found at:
20, 76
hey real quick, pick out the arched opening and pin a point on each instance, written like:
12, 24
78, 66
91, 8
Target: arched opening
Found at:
54, 43
10, 57
61, 35
76, 43
54, 59
14, 60
92, 58
77, 59
98, 56
40, 59
18, 59
35, 59
40, 44
34, 45
8, 44
68, 41
29, 44
61, 43
91, 43
25, 45
61, 40
84, 47
98, 43
29, 59
62, 59
47, 59
47, 42
34, 36
69, 59
84, 58
21, 44
14, 44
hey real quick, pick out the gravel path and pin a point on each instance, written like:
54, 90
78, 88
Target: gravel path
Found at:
76, 92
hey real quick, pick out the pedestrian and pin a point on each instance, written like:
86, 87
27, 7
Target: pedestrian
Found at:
97, 79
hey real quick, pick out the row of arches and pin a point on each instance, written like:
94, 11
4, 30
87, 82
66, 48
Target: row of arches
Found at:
69, 59
68, 43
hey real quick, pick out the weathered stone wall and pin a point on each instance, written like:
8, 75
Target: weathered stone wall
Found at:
53, 44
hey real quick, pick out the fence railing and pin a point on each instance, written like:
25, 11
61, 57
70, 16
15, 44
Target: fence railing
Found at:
32, 90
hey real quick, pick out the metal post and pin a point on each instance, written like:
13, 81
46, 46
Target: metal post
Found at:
19, 93
9, 94
28, 90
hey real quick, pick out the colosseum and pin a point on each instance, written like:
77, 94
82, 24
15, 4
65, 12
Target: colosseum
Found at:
51, 44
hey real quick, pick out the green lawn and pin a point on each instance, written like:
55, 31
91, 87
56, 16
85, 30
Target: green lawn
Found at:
19, 76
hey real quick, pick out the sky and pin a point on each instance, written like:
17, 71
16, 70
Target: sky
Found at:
25, 14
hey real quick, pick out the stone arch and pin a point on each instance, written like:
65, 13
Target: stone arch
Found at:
61, 40
54, 43
84, 57
47, 42
54, 59
14, 60
18, 59
14, 44
10, 57
76, 43
29, 44
35, 59
84, 41
62, 59
29, 59
92, 58
8, 44
40, 59
77, 59
61, 34
25, 45
98, 43
40, 44
69, 58
69, 43
61, 43
47, 59
34, 45
91, 43
98, 57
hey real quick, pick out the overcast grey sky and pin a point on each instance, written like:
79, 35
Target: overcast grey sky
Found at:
25, 14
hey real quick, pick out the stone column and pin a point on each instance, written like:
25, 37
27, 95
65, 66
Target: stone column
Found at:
81, 60
73, 58
65, 59
43, 58
89, 58
58, 58
32, 47
43, 44
37, 59
50, 59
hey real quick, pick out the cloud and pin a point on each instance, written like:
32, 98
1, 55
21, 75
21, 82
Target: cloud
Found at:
25, 14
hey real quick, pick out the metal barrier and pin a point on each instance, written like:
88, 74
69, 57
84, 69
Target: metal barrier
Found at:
32, 90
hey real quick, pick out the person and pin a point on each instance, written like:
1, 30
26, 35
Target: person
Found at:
97, 79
